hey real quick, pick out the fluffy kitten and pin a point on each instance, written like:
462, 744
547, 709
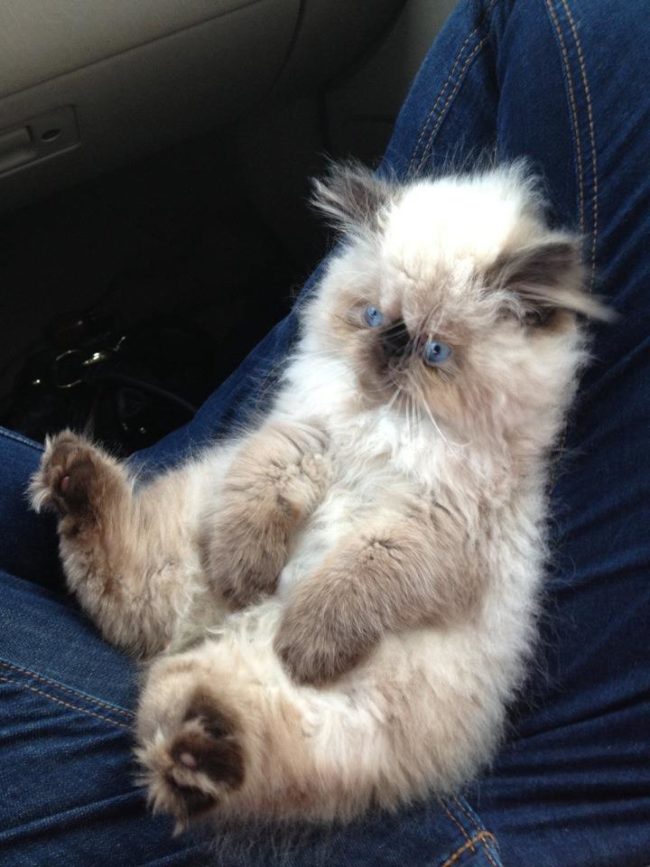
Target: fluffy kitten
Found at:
356, 576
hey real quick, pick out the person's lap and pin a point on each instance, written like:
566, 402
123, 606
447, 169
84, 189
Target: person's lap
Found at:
559, 82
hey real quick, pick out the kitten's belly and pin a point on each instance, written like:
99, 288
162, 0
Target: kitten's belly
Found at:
342, 514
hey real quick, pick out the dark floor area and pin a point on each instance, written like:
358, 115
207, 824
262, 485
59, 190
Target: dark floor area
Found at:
164, 261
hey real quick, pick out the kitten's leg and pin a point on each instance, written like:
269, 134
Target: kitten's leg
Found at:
219, 731
275, 480
129, 557
420, 571
222, 729
190, 747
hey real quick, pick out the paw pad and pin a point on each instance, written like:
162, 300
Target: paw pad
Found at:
72, 478
204, 760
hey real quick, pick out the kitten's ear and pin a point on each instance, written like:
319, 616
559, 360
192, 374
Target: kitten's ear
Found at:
547, 276
351, 196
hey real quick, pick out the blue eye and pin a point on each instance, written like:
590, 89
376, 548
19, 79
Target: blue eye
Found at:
436, 353
373, 316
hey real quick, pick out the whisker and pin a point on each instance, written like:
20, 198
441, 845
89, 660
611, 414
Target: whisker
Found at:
424, 405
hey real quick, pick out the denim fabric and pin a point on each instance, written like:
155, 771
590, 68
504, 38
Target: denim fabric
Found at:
566, 84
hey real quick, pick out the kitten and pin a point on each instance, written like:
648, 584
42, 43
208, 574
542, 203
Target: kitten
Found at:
356, 576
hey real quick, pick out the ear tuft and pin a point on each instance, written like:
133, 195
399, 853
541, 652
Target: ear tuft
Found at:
352, 197
547, 276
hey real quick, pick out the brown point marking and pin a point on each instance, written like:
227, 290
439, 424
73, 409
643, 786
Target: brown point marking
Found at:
194, 800
220, 759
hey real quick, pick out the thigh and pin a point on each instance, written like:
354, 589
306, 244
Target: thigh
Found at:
28, 541
69, 794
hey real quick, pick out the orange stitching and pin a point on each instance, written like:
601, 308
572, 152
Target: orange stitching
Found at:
574, 112
592, 137
441, 114
470, 844
473, 820
487, 854
65, 703
454, 819
469, 818
48, 682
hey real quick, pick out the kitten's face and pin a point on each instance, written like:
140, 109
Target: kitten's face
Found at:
450, 296
428, 345
410, 342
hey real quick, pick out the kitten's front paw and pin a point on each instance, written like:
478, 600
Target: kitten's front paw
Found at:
311, 648
245, 553
274, 482
74, 479
245, 556
246, 580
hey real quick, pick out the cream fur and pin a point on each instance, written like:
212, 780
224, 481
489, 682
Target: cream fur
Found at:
422, 711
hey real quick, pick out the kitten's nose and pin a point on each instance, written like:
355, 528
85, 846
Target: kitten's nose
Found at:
395, 339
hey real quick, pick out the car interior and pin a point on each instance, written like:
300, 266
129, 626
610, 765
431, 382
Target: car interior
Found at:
155, 160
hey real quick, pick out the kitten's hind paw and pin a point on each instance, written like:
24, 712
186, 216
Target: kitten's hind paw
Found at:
191, 766
75, 479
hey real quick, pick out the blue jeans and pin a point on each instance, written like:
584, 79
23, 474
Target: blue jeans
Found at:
566, 83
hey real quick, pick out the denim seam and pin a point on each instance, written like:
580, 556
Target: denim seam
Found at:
568, 78
449, 101
456, 820
62, 688
25, 441
480, 839
65, 703
486, 849
476, 829
475, 822
442, 113
592, 137
429, 118
471, 819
